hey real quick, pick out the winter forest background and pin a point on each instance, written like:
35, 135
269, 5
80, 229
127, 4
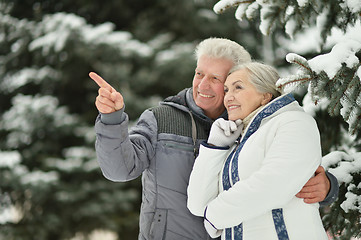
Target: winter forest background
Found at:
50, 184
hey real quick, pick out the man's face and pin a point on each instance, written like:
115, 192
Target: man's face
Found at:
208, 88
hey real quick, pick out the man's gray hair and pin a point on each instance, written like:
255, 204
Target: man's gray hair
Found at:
262, 76
222, 48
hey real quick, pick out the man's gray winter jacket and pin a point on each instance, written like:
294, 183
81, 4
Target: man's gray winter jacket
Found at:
161, 147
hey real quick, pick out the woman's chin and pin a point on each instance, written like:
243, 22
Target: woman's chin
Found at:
232, 118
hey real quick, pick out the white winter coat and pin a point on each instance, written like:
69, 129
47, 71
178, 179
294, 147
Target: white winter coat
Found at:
273, 165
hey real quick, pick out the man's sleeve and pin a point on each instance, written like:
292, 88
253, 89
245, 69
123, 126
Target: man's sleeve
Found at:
124, 155
114, 118
333, 193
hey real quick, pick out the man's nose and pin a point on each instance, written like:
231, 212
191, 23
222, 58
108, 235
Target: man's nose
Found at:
205, 82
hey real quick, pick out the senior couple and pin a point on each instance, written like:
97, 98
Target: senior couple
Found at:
231, 158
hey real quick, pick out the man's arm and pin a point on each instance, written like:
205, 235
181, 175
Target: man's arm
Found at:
322, 188
122, 155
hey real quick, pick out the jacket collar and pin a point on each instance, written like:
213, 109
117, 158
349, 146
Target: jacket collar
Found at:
185, 102
277, 106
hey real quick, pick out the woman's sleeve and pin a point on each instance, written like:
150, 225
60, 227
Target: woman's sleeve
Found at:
291, 159
204, 179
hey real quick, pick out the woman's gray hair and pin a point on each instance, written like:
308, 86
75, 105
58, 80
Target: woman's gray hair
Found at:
262, 76
222, 48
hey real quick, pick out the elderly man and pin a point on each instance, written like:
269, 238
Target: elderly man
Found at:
162, 146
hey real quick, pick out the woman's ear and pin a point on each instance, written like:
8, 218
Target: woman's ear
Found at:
266, 98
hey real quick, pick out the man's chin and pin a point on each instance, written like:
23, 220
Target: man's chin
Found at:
205, 105
204, 100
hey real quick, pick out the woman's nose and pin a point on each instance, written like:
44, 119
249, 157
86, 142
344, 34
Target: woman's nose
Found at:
228, 97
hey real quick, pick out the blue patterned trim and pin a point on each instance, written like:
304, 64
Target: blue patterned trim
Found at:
228, 233
280, 225
225, 176
238, 232
231, 164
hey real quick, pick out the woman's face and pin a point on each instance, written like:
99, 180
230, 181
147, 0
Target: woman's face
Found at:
241, 97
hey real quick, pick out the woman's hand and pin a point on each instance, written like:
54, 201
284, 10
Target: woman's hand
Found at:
225, 132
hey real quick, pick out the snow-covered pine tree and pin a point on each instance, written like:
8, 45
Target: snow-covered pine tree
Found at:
333, 80
46, 57
49, 175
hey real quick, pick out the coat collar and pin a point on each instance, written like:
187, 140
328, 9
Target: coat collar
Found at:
185, 102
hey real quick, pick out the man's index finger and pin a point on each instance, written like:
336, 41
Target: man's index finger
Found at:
99, 80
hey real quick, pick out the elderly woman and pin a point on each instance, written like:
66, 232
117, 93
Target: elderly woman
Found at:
246, 176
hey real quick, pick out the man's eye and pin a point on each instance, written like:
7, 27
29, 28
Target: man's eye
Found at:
216, 79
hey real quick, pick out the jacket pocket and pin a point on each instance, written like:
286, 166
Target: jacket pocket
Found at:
157, 228
179, 146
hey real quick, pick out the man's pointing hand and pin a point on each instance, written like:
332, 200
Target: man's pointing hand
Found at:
108, 99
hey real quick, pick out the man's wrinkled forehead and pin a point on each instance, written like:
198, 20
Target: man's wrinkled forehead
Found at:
220, 66
214, 73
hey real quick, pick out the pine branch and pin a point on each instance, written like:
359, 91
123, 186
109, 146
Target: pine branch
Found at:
299, 60
343, 89
295, 82
303, 76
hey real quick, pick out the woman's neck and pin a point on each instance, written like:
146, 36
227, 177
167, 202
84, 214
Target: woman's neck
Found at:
248, 119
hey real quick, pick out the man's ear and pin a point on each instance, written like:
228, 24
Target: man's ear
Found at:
266, 98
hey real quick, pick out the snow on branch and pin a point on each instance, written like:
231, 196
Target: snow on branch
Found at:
345, 167
223, 5
295, 15
334, 76
56, 30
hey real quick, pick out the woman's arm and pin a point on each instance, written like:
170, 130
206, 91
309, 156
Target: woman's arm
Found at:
204, 180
